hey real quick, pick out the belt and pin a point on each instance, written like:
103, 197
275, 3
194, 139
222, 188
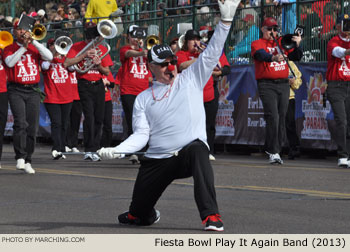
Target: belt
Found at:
338, 82
25, 86
90, 82
273, 80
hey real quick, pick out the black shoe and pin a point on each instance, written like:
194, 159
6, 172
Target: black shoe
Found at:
213, 223
293, 154
127, 219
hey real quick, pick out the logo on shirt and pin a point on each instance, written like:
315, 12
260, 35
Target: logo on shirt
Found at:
138, 70
59, 74
28, 70
278, 66
344, 68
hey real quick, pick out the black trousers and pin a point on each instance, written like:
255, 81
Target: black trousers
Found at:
155, 175
275, 99
25, 107
128, 105
338, 94
107, 133
74, 124
3, 118
59, 115
291, 131
92, 97
211, 109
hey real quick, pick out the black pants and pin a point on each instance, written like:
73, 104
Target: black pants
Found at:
59, 116
291, 131
128, 104
107, 133
155, 175
3, 118
25, 106
74, 124
338, 95
92, 97
211, 109
275, 99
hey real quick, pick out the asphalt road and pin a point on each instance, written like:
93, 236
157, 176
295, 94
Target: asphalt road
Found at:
72, 196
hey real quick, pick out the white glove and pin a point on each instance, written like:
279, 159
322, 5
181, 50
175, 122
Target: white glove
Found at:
109, 153
228, 9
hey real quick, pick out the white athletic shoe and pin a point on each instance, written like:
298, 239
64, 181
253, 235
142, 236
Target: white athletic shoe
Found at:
29, 169
56, 154
211, 157
74, 149
134, 159
275, 158
20, 164
67, 149
343, 162
95, 157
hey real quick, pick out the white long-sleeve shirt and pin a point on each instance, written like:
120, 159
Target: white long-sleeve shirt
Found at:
169, 124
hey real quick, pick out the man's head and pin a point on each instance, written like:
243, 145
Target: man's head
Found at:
343, 25
192, 41
162, 63
90, 30
269, 26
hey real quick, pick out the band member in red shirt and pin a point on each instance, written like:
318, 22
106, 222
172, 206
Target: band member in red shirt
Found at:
338, 90
91, 88
75, 115
22, 63
3, 103
107, 132
134, 76
271, 73
58, 100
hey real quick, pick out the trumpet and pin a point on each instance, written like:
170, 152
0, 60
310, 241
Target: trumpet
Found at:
151, 41
5, 39
63, 44
39, 32
107, 30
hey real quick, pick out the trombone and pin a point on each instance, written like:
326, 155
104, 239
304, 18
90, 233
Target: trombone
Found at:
5, 39
107, 30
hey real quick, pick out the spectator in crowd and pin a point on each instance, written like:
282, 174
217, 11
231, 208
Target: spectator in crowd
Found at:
338, 90
23, 92
271, 73
97, 10
174, 45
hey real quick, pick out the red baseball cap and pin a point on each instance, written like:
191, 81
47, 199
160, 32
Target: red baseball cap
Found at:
15, 25
270, 22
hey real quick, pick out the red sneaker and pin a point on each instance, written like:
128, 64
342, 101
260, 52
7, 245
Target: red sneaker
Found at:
213, 223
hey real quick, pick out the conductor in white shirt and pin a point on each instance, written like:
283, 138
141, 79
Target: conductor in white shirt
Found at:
170, 117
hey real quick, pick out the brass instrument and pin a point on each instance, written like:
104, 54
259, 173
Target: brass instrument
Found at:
5, 39
63, 44
287, 42
39, 32
181, 41
107, 30
151, 41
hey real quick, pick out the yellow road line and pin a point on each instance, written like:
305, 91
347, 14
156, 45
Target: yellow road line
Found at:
314, 193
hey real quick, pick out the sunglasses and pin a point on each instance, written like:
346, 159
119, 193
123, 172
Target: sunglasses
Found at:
272, 28
165, 64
